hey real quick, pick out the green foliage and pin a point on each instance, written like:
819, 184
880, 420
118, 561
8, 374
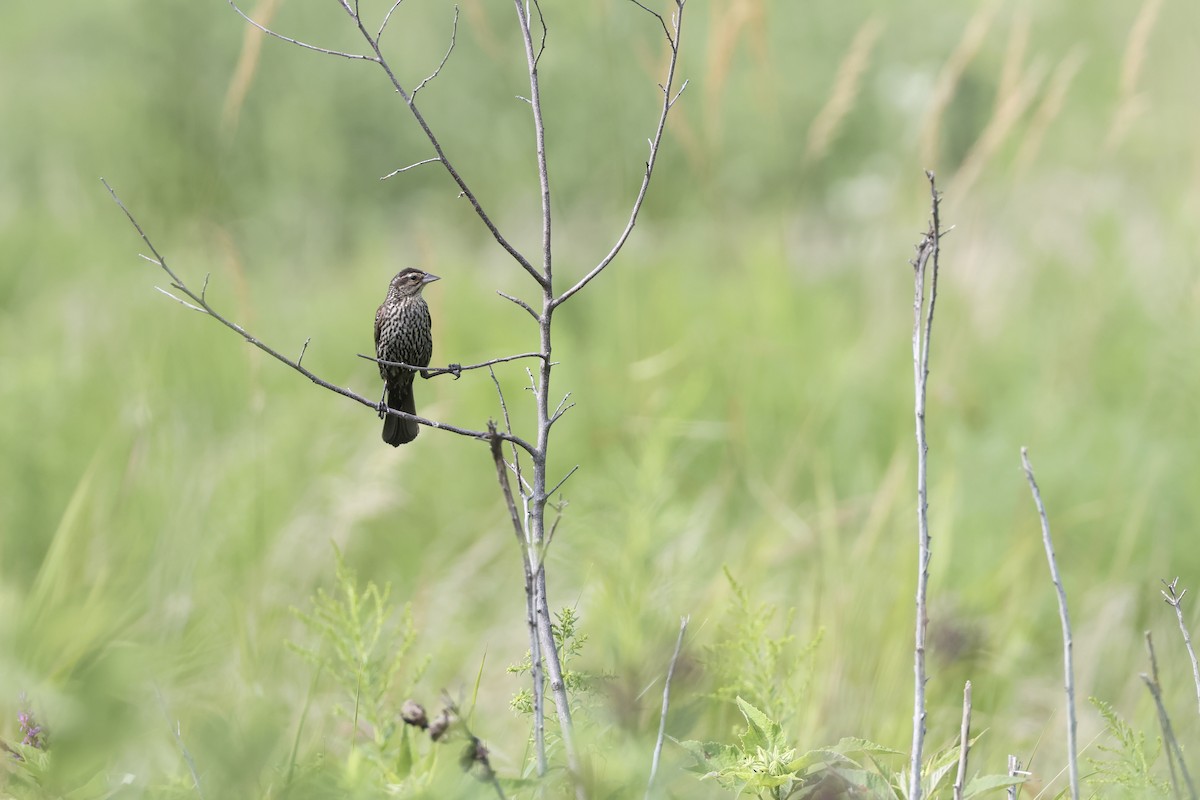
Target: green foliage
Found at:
367, 655
1127, 769
764, 764
747, 661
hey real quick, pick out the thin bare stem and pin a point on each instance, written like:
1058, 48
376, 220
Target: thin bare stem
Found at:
666, 703
516, 461
201, 304
1176, 602
964, 744
1174, 752
452, 369
445, 58
673, 41
927, 251
455, 175
1068, 663
297, 42
387, 18
535, 661
303, 350
1014, 770
539, 133
536, 316
559, 485
394, 173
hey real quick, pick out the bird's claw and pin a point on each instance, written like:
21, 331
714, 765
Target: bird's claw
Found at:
382, 408
455, 370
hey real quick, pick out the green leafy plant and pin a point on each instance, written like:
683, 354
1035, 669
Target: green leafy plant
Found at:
365, 651
763, 763
1128, 765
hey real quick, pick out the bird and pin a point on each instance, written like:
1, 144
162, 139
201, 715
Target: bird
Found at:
404, 333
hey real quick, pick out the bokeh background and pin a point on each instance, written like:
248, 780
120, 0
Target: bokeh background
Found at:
742, 374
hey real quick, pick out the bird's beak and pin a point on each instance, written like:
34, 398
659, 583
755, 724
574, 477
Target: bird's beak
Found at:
429, 278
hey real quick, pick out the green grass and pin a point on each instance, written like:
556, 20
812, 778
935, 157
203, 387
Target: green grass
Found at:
742, 377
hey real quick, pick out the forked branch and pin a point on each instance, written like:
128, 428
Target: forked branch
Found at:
667, 87
199, 302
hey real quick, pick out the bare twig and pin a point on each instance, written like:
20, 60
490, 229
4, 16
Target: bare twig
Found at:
1175, 601
559, 485
297, 42
964, 743
662, 719
1068, 663
455, 175
387, 18
673, 42
539, 133
928, 250
202, 305
394, 173
516, 462
303, 350
445, 58
1014, 769
452, 369
536, 316
1174, 752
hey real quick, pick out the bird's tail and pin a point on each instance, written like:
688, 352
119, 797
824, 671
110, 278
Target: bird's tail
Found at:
398, 431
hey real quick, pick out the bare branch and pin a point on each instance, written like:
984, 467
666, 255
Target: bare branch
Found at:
200, 304
545, 32
386, 18
452, 369
536, 316
516, 462
559, 485
1174, 752
539, 135
1176, 602
657, 16
445, 58
464, 190
410, 166
558, 412
662, 719
180, 300
673, 43
927, 249
964, 744
298, 43
303, 350
1068, 663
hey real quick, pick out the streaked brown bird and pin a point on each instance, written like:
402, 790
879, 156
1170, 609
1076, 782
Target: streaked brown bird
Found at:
404, 333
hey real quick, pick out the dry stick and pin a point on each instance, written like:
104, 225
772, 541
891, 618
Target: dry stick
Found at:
928, 249
1164, 723
452, 369
964, 743
1068, 663
1014, 769
1176, 602
662, 720
199, 302
535, 659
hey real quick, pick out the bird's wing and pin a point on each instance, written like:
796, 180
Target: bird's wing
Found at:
377, 321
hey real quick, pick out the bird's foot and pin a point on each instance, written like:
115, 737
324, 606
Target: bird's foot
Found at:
455, 370
382, 408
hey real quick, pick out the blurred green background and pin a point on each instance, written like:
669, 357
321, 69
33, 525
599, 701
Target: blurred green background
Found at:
742, 373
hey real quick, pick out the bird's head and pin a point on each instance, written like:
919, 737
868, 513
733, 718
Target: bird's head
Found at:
409, 282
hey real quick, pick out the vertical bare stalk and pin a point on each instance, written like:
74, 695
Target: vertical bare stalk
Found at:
666, 704
1068, 662
1014, 769
1174, 751
964, 746
928, 251
1175, 601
